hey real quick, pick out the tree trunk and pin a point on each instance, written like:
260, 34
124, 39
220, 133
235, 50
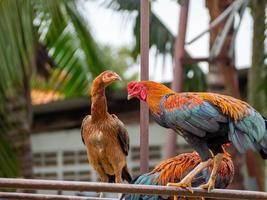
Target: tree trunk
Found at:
222, 77
18, 135
257, 75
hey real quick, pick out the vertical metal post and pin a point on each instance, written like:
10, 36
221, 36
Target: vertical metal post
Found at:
144, 112
177, 82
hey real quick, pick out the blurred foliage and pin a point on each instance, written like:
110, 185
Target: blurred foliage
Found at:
120, 59
257, 76
16, 50
159, 35
67, 38
194, 79
161, 38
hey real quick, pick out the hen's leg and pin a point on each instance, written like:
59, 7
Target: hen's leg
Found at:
216, 164
118, 179
186, 181
103, 178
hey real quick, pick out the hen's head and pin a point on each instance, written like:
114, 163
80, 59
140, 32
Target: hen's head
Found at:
137, 90
107, 77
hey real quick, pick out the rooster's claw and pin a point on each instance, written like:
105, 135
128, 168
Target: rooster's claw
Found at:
182, 185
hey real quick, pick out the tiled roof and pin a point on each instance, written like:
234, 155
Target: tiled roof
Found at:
43, 97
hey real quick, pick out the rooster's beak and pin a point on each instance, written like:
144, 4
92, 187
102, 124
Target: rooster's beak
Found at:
129, 97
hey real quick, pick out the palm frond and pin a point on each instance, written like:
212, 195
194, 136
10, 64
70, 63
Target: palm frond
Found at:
70, 44
16, 49
160, 36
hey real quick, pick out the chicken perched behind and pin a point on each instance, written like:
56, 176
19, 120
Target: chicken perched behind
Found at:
105, 136
174, 169
206, 121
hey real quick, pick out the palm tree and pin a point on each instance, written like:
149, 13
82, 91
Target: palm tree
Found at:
48, 38
16, 48
257, 77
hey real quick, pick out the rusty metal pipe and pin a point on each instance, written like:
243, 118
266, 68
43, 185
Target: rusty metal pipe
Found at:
128, 188
28, 196
177, 83
144, 112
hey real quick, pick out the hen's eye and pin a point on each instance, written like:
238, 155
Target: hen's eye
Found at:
109, 75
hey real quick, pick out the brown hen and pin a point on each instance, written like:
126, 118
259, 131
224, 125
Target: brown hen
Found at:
104, 135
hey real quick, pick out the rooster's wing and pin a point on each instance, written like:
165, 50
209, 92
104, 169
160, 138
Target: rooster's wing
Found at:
191, 113
204, 113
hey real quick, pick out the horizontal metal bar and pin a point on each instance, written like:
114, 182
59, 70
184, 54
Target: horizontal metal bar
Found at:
27, 196
128, 188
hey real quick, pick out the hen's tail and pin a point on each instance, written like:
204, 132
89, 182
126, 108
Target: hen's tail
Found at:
111, 178
263, 143
126, 175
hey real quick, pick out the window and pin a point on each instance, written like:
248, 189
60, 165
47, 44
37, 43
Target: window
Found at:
82, 157
154, 153
69, 175
50, 159
46, 165
51, 175
84, 176
45, 159
68, 157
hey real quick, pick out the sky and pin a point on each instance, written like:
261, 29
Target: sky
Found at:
115, 29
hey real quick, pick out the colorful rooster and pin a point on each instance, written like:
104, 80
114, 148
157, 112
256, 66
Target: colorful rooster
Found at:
105, 136
206, 121
174, 169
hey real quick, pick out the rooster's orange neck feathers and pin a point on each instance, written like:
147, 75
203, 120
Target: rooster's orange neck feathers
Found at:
99, 108
155, 91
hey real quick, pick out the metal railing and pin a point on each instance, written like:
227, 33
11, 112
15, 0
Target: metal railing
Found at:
114, 188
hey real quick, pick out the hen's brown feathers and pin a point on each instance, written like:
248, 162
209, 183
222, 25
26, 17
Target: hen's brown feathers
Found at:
105, 136
123, 136
86, 120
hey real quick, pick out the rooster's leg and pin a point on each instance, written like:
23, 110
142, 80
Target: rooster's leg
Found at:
216, 163
186, 181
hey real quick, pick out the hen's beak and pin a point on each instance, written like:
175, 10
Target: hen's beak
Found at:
129, 97
118, 78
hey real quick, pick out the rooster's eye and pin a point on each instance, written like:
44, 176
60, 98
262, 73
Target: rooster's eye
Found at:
131, 86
